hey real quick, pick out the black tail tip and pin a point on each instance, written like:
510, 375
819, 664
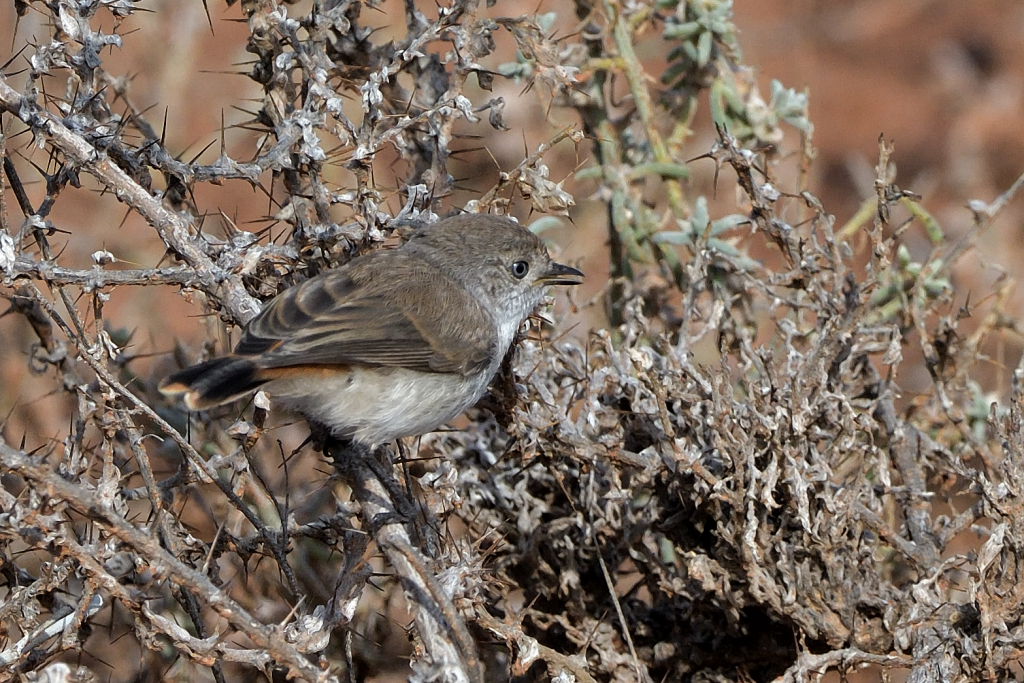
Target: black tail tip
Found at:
214, 382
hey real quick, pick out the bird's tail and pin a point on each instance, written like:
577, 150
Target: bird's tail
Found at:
214, 382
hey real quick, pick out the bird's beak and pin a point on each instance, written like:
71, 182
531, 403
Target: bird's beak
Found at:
561, 275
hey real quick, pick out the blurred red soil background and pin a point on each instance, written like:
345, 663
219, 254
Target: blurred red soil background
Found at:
944, 79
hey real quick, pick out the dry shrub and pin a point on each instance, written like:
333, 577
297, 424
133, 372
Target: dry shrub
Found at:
723, 484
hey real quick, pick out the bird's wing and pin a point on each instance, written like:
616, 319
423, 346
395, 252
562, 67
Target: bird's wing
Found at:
341, 318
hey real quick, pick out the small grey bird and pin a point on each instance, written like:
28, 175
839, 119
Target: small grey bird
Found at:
395, 343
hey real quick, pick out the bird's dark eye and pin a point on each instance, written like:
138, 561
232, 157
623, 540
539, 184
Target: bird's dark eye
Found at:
520, 269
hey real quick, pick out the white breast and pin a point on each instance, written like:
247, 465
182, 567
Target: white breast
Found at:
377, 405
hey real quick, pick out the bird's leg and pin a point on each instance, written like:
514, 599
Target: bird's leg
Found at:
320, 437
427, 530
351, 461
379, 462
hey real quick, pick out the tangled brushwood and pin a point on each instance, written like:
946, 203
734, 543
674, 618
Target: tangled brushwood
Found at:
725, 482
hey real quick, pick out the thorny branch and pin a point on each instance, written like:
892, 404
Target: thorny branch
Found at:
171, 228
726, 484
163, 564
